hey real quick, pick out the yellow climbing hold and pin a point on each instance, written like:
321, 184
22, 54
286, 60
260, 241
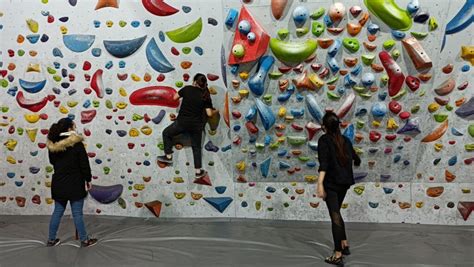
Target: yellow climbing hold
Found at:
344, 205
359, 189
32, 134
11, 160
63, 29
48, 184
136, 78
49, 201
109, 23
240, 166
134, 132
244, 93
282, 112
438, 147
32, 118
433, 107
466, 190
63, 110
419, 204
121, 105
139, 187
392, 124
72, 104
212, 90
178, 180
33, 25
33, 68
376, 123
10, 144
243, 75
311, 178
196, 196
146, 130
122, 92
179, 195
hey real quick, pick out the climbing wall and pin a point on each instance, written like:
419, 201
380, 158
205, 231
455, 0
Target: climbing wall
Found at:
402, 101
404, 98
113, 66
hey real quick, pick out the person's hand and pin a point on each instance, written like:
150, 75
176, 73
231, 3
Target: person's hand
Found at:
321, 193
88, 186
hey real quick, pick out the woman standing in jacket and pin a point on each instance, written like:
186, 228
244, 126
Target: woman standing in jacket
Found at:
335, 153
196, 107
72, 174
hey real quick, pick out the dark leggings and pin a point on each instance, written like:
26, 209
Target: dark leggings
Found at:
334, 199
194, 132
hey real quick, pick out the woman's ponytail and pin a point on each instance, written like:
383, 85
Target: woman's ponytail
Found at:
201, 81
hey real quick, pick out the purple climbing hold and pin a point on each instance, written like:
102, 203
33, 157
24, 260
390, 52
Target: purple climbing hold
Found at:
466, 110
73, 2
211, 147
411, 127
63, 19
106, 194
421, 17
359, 175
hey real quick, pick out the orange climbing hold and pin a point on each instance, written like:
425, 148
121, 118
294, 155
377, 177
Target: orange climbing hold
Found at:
186, 65
154, 207
106, 3
449, 176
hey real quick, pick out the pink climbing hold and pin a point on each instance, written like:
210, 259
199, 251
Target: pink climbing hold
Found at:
96, 84
212, 77
88, 115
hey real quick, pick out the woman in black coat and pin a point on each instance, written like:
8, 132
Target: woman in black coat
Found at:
72, 175
335, 153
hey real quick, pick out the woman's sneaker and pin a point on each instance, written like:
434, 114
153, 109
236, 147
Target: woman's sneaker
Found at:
201, 174
53, 243
89, 242
164, 159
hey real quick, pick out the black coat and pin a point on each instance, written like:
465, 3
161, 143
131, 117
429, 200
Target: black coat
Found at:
71, 168
337, 175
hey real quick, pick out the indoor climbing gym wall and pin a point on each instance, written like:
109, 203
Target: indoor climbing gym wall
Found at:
396, 72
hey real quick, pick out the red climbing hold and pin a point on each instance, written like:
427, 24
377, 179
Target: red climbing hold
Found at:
155, 96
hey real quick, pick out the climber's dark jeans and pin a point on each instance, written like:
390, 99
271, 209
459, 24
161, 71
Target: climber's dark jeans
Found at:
334, 199
194, 132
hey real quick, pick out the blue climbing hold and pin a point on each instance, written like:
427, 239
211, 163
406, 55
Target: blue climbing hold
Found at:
265, 167
220, 189
219, 203
96, 52
452, 161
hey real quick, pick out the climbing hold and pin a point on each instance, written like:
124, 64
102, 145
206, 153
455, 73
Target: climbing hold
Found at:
33, 25
257, 82
336, 12
78, 42
436, 133
396, 77
390, 13
106, 194
186, 33
159, 8
466, 110
417, 54
351, 44
219, 203
467, 53
292, 53
124, 48
300, 15
156, 58
32, 87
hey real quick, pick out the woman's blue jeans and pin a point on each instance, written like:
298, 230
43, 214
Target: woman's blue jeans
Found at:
76, 209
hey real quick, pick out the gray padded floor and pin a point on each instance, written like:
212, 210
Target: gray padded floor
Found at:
206, 242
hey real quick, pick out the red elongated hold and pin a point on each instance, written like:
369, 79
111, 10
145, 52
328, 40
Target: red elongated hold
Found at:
312, 129
88, 115
43, 116
374, 136
11, 53
86, 66
394, 106
452, 142
412, 82
109, 117
310, 58
236, 114
417, 54
174, 51
121, 117
390, 137
29, 104
146, 117
159, 8
324, 73
154, 96
284, 69
160, 77
212, 77
342, 111
296, 127
41, 145
442, 101
251, 127
395, 75
96, 84
404, 115
463, 85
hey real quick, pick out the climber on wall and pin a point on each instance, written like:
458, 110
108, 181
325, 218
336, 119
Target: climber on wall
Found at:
335, 153
72, 175
195, 108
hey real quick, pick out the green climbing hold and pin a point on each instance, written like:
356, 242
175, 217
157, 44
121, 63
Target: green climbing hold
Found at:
57, 78
275, 75
433, 24
318, 13
286, 190
21, 52
267, 98
51, 70
122, 203
390, 13
384, 79
296, 140
317, 28
259, 145
179, 84
137, 117
283, 33
286, 204
147, 154
351, 44
130, 187
359, 190
367, 59
5, 109
109, 104
333, 96
275, 145
99, 145
4, 83
359, 89
95, 103
470, 130
440, 117
448, 107
211, 163
270, 209
161, 146
333, 79
389, 44
49, 169
186, 33
469, 147
292, 52
302, 31
365, 95
360, 124
395, 54
258, 205
419, 35
415, 108
304, 158
106, 170
186, 50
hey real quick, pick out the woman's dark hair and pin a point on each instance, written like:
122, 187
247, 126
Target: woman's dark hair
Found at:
63, 125
201, 81
331, 124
